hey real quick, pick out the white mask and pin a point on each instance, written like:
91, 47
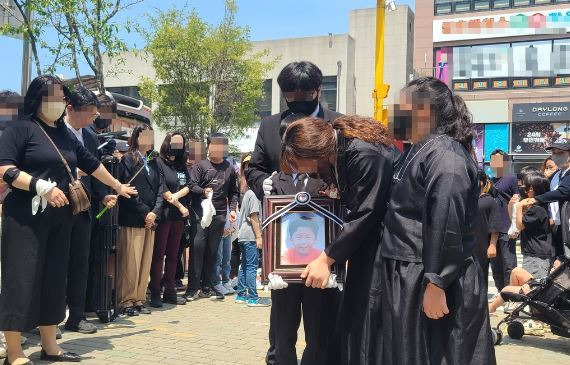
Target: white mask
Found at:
52, 110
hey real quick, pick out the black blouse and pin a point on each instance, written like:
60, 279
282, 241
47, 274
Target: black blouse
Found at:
175, 178
25, 146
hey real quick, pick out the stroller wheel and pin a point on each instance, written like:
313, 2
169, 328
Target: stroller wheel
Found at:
515, 330
497, 336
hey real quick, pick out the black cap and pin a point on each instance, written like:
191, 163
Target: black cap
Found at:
561, 144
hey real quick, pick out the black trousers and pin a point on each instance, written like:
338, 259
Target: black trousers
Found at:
35, 252
505, 261
78, 271
203, 253
320, 309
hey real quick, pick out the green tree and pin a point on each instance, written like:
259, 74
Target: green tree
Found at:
86, 29
207, 77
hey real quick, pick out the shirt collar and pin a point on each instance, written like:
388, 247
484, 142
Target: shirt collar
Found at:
317, 110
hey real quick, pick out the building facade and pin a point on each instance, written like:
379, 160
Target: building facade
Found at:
346, 60
510, 60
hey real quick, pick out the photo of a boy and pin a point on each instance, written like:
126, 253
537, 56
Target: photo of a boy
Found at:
304, 244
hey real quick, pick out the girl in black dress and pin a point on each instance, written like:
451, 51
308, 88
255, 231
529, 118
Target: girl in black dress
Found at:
356, 155
432, 289
36, 224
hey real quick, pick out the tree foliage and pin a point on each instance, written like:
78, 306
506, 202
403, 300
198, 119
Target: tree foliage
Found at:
207, 77
86, 29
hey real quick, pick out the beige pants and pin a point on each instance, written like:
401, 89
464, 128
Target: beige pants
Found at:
135, 258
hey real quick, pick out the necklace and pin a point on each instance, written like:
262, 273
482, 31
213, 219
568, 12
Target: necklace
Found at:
400, 174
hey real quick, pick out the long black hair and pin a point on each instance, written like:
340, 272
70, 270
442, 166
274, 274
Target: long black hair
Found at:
38, 90
134, 141
165, 150
452, 116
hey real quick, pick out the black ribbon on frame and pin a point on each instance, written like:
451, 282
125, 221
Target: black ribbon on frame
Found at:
301, 199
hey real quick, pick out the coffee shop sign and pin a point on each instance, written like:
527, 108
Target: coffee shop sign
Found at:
546, 111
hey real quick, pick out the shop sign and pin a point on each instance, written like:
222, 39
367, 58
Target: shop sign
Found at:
551, 22
533, 138
541, 112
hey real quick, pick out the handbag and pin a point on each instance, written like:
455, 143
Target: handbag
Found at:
77, 193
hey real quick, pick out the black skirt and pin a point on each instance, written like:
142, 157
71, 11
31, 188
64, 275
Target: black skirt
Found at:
35, 253
409, 337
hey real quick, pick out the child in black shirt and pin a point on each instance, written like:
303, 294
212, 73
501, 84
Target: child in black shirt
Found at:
488, 224
533, 222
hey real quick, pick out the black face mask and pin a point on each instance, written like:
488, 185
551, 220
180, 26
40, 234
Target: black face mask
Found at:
101, 123
176, 152
522, 192
303, 107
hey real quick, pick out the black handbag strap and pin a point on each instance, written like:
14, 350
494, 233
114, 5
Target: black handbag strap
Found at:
58, 152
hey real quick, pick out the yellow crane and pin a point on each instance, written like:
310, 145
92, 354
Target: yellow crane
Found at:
380, 88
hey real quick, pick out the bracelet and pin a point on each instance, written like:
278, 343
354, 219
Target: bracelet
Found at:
33, 187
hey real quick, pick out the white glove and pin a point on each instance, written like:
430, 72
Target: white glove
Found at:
42, 188
276, 282
208, 211
268, 184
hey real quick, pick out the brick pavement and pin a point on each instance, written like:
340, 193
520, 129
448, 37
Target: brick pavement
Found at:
224, 333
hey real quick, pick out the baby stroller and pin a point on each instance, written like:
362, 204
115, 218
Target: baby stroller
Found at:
549, 302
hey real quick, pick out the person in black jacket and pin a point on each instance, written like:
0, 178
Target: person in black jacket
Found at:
81, 111
300, 83
176, 178
431, 287
217, 176
137, 219
354, 156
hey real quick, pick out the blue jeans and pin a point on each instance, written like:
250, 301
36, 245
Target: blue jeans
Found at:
248, 270
222, 269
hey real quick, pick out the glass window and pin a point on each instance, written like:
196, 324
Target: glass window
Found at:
562, 1
531, 59
461, 62
489, 61
540, 2
462, 6
521, 2
482, 5
560, 61
264, 104
329, 93
443, 8
500, 4
132, 91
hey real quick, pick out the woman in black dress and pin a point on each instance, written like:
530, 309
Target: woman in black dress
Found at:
36, 224
356, 155
433, 293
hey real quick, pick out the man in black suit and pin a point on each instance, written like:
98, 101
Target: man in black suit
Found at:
300, 83
81, 111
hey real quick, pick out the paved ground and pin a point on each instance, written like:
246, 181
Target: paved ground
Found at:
220, 333
223, 333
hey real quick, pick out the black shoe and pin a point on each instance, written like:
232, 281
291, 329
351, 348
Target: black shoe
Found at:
155, 301
130, 311
172, 298
83, 326
205, 293
142, 309
179, 285
218, 295
192, 295
65, 357
29, 362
